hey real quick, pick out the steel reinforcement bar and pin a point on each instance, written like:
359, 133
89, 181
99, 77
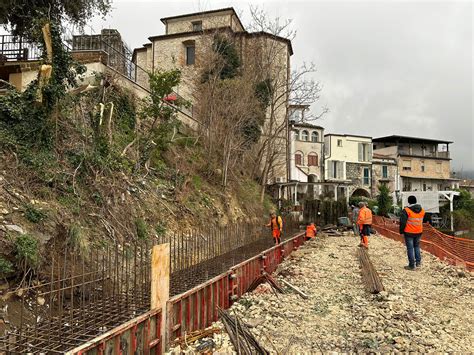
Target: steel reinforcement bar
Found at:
192, 310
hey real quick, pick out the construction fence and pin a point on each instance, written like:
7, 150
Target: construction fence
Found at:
455, 251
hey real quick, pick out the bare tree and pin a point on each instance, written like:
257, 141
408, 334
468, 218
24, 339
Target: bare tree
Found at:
269, 57
227, 107
258, 92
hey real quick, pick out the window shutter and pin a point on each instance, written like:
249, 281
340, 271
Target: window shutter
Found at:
331, 169
361, 152
340, 168
298, 159
370, 152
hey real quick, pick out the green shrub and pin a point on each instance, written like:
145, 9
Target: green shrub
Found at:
72, 202
34, 214
160, 229
27, 251
141, 228
6, 266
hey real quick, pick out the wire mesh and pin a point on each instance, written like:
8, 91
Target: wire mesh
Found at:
82, 296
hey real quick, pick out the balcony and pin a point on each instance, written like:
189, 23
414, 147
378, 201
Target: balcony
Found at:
437, 154
14, 48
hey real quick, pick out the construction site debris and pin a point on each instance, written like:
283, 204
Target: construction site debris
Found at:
370, 277
243, 340
296, 289
266, 278
337, 231
192, 337
341, 317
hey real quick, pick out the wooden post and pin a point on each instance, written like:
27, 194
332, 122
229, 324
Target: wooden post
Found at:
160, 285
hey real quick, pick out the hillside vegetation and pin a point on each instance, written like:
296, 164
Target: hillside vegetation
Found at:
99, 166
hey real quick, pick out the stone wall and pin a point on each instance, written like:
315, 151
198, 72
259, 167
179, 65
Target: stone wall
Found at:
181, 25
141, 61
434, 168
355, 173
377, 176
170, 53
93, 56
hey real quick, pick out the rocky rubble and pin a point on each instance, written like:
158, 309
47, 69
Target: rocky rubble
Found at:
427, 310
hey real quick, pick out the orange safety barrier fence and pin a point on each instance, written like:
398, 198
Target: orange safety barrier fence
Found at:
455, 251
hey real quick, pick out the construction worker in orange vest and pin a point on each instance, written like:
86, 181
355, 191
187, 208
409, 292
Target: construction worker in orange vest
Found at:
276, 225
364, 221
411, 227
310, 231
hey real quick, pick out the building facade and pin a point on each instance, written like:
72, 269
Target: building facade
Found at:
468, 185
384, 172
186, 45
306, 156
423, 164
348, 158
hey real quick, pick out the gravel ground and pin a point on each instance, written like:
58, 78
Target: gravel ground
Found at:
427, 310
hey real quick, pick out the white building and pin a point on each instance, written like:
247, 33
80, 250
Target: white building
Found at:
305, 155
348, 159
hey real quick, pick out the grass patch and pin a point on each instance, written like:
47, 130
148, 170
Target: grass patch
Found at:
141, 229
33, 214
77, 240
71, 202
27, 251
160, 229
6, 267
197, 182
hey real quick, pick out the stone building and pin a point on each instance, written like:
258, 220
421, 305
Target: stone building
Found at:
348, 158
187, 41
423, 164
384, 172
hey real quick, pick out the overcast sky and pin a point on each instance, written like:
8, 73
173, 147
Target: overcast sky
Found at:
387, 67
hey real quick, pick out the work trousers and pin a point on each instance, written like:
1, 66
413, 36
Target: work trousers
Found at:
413, 249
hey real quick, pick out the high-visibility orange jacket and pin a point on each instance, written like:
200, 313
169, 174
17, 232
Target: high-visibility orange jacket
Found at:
311, 231
414, 222
276, 223
365, 216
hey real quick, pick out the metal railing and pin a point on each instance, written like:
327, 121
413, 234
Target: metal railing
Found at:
118, 55
420, 153
119, 58
14, 48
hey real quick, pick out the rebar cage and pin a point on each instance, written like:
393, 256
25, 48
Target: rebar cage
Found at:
80, 296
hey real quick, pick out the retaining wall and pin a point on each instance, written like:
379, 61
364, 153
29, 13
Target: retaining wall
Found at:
192, 310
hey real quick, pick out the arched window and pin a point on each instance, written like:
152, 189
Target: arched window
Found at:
298, 159
304, 136
297, 134
312, 159
314, 137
